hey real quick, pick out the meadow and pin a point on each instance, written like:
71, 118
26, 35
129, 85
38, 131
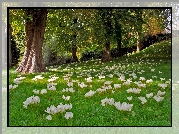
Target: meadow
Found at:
133, 90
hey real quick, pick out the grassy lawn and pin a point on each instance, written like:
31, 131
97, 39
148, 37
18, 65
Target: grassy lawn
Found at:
152, 64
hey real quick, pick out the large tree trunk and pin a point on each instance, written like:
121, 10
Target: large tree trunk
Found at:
10, 51
32, 59
4, 46
106, 53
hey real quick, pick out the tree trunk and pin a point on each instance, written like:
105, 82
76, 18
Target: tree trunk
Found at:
74, 58
10, 52
106, 53
139, 42
139, 32
32, 60
4, 46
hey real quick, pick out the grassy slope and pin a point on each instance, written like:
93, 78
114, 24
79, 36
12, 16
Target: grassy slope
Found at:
88, 111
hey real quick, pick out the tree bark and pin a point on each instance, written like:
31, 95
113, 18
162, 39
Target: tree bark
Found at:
10, 52
139, 32
74, 58
33, 60
106, 53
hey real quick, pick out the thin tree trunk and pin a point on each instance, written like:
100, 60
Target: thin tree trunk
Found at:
32, 59
74, 58
10, 52
139, 32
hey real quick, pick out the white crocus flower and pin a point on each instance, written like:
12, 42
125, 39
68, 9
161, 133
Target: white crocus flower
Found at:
66, 98
142, 78
68, 115
117, 86
160, 93
149, 95
163, 85
31, 100
36, 91
129, 98
90, 93
158, 98
43, 91
149, 81
49, 117
142, 99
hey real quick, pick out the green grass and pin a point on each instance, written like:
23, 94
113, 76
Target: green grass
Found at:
88, 111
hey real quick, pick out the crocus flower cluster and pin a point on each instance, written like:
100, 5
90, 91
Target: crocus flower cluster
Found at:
90, 93
38, 77
123, 106
163, 85
43, 91
109, 101
133, 90
18, 80
31, 100
13, 87
68, 90
60, 108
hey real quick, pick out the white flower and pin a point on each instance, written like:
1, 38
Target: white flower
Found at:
49, 117
89, 80
43, 91
51, 110
149, 95
152, 70
36, 91
90, 93
107, 83
133, 90
51, 86
68, 115
124, 106
129, 98
66, 98
142, 99
70, 84
142, 78
149, 81
158, 98
13, 87
117, 86
37, 77
160, 93
31, 100
82, 85
163, 85
101, 77
109, 101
